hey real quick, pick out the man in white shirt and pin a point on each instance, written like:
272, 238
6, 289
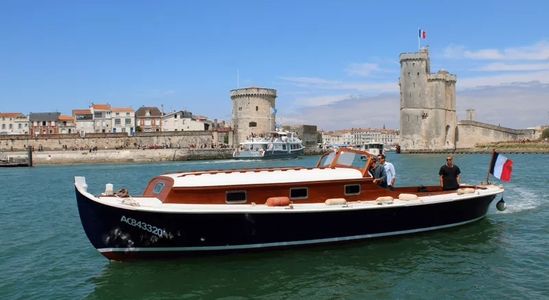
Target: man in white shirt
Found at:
389, 169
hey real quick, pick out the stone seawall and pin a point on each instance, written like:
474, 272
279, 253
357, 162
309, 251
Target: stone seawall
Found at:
107, 140
130, 155
127, 155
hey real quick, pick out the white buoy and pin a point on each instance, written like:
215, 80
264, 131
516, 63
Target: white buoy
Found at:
501, 205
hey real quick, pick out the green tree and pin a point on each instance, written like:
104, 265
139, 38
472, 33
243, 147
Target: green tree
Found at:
545, 133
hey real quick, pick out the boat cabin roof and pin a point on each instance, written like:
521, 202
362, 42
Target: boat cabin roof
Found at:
261, 176
341, 164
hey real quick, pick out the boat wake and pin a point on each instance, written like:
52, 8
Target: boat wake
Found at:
520, 199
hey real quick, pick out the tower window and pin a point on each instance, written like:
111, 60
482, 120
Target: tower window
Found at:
417, 73
414, 84
240, 109
252, 124
256, 108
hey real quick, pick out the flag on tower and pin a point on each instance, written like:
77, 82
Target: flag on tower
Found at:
422, 34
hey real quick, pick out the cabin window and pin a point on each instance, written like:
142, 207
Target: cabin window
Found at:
235, 196
299, 193
158, 187
252, 124
352, 189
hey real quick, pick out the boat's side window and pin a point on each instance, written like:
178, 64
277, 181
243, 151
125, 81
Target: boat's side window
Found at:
235, 196
299, 193
352, 189
158, 187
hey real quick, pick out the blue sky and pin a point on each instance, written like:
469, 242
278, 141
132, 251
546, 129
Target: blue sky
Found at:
334, 64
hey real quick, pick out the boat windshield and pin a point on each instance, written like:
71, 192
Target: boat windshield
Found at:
342, 157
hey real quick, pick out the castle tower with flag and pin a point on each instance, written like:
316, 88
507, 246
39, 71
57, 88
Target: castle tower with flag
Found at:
428, 117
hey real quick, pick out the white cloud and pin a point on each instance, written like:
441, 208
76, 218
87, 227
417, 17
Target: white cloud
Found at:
355, 111
502, 79
362, 69
537, 51
321, 100
514, 67
325, 84
515, 106
514, 94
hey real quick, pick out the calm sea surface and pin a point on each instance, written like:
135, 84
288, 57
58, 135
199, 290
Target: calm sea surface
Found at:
44, 253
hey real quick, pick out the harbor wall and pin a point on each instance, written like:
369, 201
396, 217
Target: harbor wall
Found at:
131, 155
469, 133
177, 139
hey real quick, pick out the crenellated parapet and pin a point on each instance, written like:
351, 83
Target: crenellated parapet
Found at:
443, 75
252, 92
423, 54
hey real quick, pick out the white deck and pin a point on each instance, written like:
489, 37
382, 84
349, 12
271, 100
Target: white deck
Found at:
155, 205
262, 177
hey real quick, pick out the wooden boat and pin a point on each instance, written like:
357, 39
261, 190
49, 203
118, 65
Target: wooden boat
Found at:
218, 211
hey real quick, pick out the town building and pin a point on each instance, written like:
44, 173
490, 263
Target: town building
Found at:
43, 123
83, 120
13, 123
148, 119
101, 117
123, 119
66, 125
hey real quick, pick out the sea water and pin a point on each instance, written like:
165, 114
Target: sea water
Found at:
45, 254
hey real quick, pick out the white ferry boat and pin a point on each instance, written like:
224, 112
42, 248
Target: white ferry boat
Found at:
275, 144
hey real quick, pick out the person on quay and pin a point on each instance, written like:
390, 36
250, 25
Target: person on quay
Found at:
389, 170
378, 172
449, 175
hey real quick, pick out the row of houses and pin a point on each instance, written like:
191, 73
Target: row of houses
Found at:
361, 136
102, 118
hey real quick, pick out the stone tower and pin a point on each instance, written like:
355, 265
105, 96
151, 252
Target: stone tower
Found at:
428, 117
252, 112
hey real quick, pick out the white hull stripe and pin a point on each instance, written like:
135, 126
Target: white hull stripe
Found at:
282, 244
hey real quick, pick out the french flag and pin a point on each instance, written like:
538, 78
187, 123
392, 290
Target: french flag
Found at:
422, 34
501, 167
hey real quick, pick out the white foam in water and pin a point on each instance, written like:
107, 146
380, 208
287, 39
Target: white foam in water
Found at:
519, 199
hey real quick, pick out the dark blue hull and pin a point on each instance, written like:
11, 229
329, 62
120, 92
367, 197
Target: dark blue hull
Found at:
127, 234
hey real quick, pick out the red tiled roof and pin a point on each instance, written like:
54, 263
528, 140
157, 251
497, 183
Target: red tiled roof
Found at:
65, 118
101, 106
121, 108
81, 112
10, 114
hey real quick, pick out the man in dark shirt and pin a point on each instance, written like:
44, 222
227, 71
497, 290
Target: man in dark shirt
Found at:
379, 174
449, 175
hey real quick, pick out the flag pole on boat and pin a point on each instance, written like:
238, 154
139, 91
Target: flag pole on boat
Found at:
490, 166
